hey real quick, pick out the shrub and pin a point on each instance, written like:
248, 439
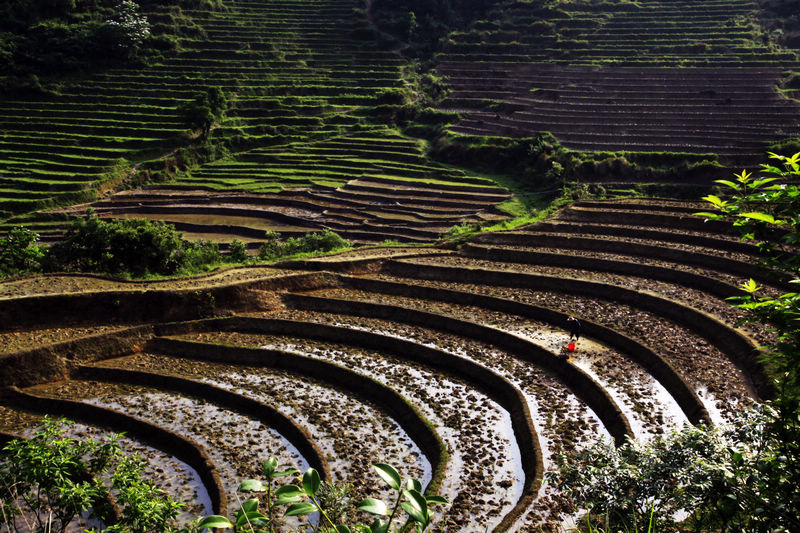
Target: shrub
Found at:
51, 478
199, 254
271, 247
20, 253
238, 251
461, 232
324, 241
392, 97
136, 246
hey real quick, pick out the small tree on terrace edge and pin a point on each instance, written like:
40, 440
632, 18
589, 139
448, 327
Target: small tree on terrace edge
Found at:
204, 110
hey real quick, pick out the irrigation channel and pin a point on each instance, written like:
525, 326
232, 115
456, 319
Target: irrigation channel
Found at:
448, 364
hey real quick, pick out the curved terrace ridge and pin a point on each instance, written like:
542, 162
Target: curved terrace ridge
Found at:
738, 347
660, 369
712, 286
267, 414
490, 383
579, 383
410, 419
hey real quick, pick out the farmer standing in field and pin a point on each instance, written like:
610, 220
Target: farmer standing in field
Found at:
574, 329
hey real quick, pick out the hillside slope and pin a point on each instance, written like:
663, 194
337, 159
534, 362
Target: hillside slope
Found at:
646, 76
296, 73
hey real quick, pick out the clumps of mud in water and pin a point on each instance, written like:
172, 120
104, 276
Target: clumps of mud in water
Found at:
649, 411
351, 433
702, 365
483, 479
236, 444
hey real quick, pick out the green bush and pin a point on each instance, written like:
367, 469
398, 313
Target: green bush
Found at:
238, 251
199, 255
141, 247
20, 253
50, 479
325, 241
271, 247
136, 246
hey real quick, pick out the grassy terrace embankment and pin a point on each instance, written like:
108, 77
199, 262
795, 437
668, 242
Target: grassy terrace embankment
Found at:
371, 186
648, 76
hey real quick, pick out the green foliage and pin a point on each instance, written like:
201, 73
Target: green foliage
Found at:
335, 500
781, 20
583, 191
199, 255
539, 161
743, 477
142, 247
137, 246
325, 241
717, 478
52, 37
423, 24
51, 478
128, 28
204, 110
461, 232
19, 252
238, 251
309, 494
765, 209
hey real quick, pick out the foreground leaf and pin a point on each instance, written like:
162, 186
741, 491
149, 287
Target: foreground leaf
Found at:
301, 508
414, 513
251, 485
437, 499
373, 506
214, 521
389, 474
311, 481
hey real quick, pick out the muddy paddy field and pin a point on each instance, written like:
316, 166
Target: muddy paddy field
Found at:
450, 365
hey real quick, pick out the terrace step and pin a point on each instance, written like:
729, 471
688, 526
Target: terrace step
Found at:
737, 346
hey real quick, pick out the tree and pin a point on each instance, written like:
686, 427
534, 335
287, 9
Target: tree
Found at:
19, 252
204, 110
129, 28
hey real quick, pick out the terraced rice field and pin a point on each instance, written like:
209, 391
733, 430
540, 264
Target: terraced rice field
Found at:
368, 188
649, 76
300, 81
451, 365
